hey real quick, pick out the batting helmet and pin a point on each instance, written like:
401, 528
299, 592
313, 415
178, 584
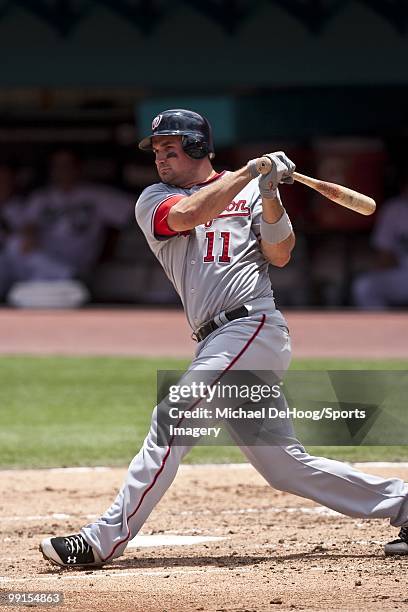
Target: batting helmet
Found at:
195, 132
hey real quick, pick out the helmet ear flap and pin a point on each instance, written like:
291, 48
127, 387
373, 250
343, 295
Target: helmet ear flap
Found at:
194, 146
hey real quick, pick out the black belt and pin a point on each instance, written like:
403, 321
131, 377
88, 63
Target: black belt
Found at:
207, 329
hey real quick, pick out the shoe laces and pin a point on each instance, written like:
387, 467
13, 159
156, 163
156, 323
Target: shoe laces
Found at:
403, 534
77, 544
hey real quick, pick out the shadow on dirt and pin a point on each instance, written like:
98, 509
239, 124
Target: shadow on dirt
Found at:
229, 561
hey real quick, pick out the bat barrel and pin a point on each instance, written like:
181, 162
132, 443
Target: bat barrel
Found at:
344, 196
359, 202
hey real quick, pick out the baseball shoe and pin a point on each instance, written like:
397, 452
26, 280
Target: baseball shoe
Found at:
400, 545
69, 551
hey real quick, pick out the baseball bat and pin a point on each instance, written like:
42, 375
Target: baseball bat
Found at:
336, 193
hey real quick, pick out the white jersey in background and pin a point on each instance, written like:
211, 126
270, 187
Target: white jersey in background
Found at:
71, 225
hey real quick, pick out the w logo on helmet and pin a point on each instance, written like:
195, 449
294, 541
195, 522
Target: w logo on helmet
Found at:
156, 121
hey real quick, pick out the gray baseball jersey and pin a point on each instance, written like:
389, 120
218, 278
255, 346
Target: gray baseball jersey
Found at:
214, 267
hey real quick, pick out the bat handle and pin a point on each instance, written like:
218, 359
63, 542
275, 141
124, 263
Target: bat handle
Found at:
306, 180
263, 165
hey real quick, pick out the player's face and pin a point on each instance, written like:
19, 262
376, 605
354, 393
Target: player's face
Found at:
173, 165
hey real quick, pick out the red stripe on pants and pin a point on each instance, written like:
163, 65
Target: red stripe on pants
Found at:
163, 463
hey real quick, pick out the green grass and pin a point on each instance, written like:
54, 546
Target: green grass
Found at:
59, 411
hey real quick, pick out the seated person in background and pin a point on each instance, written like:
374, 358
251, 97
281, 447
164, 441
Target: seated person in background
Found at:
387, 284
11, 216
66, 223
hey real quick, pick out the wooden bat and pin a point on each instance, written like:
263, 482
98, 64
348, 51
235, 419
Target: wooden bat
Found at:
336, 193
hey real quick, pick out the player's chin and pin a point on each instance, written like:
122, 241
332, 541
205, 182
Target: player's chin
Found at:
165, 175
168, 178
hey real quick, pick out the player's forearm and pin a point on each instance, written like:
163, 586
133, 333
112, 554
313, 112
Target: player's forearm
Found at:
277, 254
207, 203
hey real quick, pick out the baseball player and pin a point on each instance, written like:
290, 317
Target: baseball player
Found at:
65, 224
215, 235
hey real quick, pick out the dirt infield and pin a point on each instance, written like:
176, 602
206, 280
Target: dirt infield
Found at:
277, 552
165, 333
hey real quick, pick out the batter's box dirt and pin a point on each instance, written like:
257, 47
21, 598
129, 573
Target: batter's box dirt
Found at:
277, 552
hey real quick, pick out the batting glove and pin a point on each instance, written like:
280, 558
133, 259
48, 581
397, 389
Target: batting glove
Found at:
281, 172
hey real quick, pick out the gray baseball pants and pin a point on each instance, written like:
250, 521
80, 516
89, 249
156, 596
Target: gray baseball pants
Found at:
258, 342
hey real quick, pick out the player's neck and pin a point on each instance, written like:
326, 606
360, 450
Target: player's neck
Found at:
204, 173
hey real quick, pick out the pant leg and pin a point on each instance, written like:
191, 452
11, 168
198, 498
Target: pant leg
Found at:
287, 466
331, 483
149, 475
154, 468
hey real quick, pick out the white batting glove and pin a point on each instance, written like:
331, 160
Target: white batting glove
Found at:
281, 172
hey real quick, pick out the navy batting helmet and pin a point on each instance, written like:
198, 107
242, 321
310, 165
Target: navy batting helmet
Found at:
195, 132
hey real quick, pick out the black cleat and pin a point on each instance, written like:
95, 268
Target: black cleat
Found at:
400, 545
69, 551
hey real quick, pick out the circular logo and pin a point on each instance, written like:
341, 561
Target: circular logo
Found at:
156, 122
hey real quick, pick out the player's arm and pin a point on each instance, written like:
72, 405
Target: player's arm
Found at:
207, 203
277, 237
274, 226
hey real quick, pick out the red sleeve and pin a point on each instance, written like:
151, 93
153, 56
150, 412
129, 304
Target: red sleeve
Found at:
160, 224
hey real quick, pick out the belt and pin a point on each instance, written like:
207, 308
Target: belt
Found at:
218, 321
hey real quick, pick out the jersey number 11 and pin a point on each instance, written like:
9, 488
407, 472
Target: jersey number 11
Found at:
225, 239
